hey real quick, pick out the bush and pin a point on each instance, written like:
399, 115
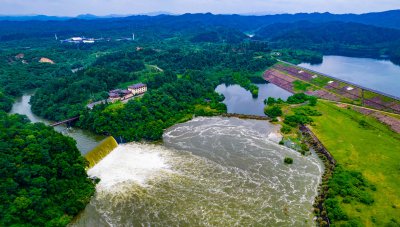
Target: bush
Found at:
363, 123
307, 111
270, 101
335, 212
312, 100
286, 129
273, 111
304, 147
288, 160
302, 98
295, 120
297, 98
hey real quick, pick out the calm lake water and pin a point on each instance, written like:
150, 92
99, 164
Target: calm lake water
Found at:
209, 172
85, 141
380, 75
239, 100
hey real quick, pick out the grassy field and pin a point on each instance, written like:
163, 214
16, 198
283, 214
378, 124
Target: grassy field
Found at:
373, 150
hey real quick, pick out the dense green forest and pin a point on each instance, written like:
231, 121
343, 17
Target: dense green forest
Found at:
181, 59
348, 39
43, 178
184, 87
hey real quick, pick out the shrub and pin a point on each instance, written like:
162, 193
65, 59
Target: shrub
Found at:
270, 101
307, 111
273, 111
302, 98
288, 160
286, 129
312, 100
297, 98
295, 120
363, 123
335, 212
304, 147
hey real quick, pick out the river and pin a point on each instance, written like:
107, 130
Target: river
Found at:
208, 172
380, 75
239, 100
85, 140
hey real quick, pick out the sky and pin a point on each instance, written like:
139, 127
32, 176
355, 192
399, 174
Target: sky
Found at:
129, 7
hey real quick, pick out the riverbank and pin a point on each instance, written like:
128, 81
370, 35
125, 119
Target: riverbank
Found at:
365, 148
329, 164
85, 140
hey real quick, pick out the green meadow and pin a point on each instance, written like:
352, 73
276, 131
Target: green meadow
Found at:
361, 144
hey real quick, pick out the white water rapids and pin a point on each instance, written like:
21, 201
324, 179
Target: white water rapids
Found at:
209, 172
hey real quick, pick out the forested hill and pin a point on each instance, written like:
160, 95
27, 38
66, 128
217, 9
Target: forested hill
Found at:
344, 38
43, 178
23, 27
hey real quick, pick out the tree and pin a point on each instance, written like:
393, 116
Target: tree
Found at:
273, 111
40, 168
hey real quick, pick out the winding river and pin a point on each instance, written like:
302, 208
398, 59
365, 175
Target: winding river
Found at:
85, 140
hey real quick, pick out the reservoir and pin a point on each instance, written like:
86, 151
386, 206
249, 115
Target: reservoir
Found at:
239, 100
85, 140
208, 172
380, 75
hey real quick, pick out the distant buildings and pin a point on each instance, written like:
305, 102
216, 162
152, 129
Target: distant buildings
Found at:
138, 89
122, 94
119, 94
78, 40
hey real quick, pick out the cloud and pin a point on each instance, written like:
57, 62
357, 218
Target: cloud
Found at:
106, 7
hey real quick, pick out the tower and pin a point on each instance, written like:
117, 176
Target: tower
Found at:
133, 36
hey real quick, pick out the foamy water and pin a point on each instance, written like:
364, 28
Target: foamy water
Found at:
130, 163
209, 172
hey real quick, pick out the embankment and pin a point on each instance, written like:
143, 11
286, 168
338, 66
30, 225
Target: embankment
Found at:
101, 151
329, 163
245, 116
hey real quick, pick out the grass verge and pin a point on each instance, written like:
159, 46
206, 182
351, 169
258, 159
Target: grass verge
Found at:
362, 144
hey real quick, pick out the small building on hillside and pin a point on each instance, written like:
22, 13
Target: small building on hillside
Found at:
114, 96
138, 89
124, 95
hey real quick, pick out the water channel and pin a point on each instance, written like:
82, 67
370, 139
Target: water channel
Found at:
85, 140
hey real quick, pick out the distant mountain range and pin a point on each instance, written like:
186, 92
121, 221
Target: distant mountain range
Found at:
390, 19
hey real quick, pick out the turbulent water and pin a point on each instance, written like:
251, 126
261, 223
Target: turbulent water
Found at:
209, 172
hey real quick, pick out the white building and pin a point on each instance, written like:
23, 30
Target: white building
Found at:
138, 89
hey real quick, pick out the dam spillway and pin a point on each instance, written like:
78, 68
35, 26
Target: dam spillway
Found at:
100, 151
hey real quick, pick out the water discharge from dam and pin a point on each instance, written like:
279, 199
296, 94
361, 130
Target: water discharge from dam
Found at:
101, 151
209, 172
